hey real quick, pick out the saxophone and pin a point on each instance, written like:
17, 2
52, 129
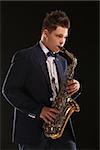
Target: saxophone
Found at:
63, 102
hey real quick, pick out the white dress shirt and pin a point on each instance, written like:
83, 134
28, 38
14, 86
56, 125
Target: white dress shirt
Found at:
52, 72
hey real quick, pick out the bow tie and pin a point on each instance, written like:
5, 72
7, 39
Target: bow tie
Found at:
51, 54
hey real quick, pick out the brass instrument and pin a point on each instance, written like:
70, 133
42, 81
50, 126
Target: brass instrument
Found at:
63, 102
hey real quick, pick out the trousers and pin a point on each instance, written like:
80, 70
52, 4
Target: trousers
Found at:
66, 142
70, 145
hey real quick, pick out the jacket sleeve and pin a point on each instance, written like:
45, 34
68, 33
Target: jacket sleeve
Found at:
13, 87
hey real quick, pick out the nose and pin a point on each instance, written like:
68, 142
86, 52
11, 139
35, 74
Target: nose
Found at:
62, 41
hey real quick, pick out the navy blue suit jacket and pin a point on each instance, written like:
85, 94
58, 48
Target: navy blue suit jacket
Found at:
27, 88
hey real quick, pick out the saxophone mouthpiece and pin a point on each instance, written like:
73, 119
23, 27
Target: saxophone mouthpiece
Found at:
61, 48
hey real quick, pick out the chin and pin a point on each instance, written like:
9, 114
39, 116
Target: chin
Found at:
57, 49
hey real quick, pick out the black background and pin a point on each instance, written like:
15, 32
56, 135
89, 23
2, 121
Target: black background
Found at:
20, 27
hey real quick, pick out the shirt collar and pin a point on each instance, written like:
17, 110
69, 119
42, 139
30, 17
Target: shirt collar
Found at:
45, 50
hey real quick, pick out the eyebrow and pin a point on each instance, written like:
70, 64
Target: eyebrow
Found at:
62, 35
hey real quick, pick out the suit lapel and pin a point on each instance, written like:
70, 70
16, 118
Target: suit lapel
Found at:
41, 60
60, 69
44, 68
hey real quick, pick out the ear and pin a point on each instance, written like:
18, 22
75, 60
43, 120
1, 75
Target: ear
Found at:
46, 32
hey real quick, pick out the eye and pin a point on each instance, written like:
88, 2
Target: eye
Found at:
60, 36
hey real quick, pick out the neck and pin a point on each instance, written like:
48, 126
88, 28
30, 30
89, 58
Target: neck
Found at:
44, 43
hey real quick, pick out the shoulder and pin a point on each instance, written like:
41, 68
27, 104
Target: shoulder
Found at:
25, 53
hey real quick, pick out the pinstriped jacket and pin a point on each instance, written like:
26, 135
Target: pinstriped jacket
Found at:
27, 88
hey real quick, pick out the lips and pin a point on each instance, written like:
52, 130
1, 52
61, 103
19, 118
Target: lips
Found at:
59, 47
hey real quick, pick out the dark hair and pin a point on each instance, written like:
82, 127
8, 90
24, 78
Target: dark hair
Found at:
54, 19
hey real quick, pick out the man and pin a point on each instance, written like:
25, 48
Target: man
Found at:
29, 87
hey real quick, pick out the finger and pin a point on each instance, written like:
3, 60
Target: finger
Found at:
49, 118
71, 93
71, 82
53, 115
72, 88
54, 110
45, 120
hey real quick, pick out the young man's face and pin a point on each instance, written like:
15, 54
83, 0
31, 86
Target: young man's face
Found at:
56, 38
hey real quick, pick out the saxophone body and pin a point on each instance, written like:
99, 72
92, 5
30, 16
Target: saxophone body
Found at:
63, 102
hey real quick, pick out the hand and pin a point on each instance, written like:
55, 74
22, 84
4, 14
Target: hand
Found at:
48, 114
73, 87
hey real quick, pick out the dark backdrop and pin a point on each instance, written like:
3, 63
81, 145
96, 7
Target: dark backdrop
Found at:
21, 24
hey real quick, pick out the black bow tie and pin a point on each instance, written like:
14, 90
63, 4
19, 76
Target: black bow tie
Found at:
51, 54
